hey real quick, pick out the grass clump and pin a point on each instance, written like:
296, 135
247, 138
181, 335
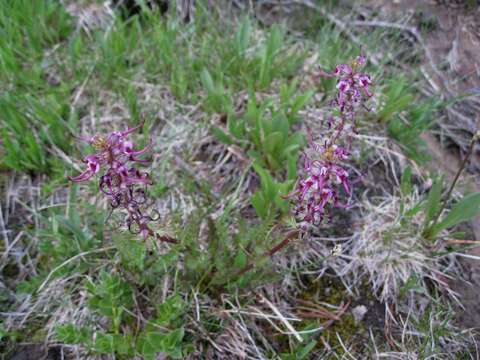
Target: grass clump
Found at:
35, 113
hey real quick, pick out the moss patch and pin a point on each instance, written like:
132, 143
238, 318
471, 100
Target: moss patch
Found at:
353, 335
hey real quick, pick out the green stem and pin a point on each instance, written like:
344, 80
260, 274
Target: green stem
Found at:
463, 164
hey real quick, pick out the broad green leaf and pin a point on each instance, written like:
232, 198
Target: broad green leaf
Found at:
242, 36
303, 352
464, 210
299, 102
155, 339
292, 167
259, 204
414, 211
280, 124
123, 344
273, 143
173, 339
207, 81
291, 149
236, 127
265, 178
255, 155
458, 234
163, 262
274, 164
153, 342
104, 343
398, 105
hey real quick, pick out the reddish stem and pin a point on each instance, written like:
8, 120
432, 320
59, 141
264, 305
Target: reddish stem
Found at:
164, 238
290, 236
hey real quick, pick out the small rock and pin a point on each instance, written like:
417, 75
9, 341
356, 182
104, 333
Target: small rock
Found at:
359, 312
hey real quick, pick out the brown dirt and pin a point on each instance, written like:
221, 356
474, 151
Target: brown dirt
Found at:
36, 351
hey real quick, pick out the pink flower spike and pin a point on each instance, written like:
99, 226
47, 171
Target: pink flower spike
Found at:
324, 178
115, 158
340, 153
145, 233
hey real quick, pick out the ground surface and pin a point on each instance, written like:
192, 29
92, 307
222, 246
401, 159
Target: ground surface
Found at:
451, 34
109, 81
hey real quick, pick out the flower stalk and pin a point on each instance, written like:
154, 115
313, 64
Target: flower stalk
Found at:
289, 237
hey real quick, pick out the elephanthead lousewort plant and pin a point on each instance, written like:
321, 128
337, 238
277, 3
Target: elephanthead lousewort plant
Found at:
116, 161
323, 173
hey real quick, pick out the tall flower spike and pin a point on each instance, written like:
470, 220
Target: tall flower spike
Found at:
325, 178
121, 181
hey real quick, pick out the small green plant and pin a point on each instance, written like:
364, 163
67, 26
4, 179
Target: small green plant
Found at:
405, 244
112, 297
267, 65
220, 264
405, 130
397, 97
433, 205
265, 130
406, 116
268, 200
62, 238
218, 96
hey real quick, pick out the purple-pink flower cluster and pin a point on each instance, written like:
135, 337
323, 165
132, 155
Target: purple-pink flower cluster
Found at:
325, 176
121, 180
352, 86
320, 185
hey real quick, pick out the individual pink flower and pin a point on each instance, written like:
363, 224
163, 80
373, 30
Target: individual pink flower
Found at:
343, 69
